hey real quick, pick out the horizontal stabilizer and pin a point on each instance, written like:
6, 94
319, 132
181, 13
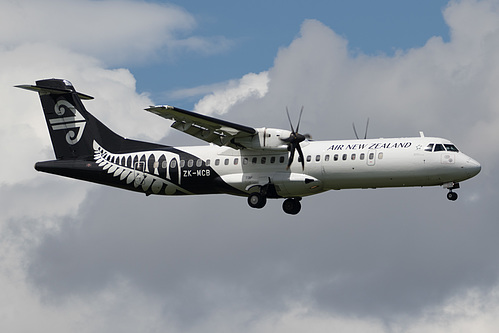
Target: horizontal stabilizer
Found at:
56, 91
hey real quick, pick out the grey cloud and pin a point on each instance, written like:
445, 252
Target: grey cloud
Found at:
349, 252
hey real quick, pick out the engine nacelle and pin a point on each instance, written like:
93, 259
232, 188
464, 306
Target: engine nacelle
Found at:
270, 138
267, 138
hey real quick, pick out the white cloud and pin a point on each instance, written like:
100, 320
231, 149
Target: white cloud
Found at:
117, 102
114, 31
221, 100
443, 88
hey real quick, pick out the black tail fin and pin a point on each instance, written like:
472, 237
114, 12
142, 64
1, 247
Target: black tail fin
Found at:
72, 128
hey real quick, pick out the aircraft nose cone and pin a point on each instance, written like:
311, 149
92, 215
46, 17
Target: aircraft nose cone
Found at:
473, 167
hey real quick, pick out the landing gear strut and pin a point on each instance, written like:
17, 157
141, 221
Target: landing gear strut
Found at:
291, 206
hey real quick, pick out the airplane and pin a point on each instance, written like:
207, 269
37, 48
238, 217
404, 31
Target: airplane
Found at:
256, 163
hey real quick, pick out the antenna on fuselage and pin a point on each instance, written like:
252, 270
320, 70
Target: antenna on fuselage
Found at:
355, 130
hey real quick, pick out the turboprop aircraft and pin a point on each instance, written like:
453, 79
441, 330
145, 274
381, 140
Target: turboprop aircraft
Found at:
257, 163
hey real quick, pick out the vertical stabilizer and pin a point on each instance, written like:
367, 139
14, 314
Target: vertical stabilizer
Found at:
72, 128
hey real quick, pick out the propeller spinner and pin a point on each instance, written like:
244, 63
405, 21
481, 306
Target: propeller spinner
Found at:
294, 141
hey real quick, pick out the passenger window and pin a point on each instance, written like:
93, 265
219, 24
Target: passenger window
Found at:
326, 158
226, 162
245, 160
317, 158
335, 157
208, 162
281, 159
439, 147
190, 163
217, 161
199, 162
380, 156
263, 160
429, 147
309, 158
344, 157
362, 156
353, 157
236, 161
371, 156
450, 147
254, 160
164, 164
182, 163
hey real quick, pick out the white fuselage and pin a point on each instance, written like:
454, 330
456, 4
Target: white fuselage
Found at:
240, 160
340, 164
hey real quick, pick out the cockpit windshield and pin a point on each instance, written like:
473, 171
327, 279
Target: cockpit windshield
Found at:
441, 147
450, 147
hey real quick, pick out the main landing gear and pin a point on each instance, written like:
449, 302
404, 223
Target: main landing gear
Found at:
291, 206
259, 200
452, 196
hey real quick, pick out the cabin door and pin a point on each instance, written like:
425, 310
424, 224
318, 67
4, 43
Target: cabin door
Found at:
138, 173
371, 157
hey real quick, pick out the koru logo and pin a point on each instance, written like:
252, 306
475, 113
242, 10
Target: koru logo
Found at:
72, 119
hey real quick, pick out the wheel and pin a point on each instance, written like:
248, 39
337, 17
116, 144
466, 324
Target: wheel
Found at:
291, 206
256, 200
452, 196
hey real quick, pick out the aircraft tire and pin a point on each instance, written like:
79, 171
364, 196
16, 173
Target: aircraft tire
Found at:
256, 200
452, 196
291, 206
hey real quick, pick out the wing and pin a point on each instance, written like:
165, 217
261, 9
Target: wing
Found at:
209, 129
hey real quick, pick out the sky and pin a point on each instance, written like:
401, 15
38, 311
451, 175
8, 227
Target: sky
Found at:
82, 257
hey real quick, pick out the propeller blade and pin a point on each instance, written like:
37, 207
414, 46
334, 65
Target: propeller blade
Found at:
365, 133
291, 155
367, 126
355, 131
294, 140
299, 120
289, 118
300, 153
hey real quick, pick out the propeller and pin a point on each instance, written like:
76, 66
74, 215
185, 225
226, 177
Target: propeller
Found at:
365, 134
294, 141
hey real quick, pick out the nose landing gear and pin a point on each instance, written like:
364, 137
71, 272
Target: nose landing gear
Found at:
452, 196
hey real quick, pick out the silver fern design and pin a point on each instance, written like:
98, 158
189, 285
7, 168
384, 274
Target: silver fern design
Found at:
152, 171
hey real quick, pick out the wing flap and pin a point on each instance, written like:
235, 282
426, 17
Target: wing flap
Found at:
209, 129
